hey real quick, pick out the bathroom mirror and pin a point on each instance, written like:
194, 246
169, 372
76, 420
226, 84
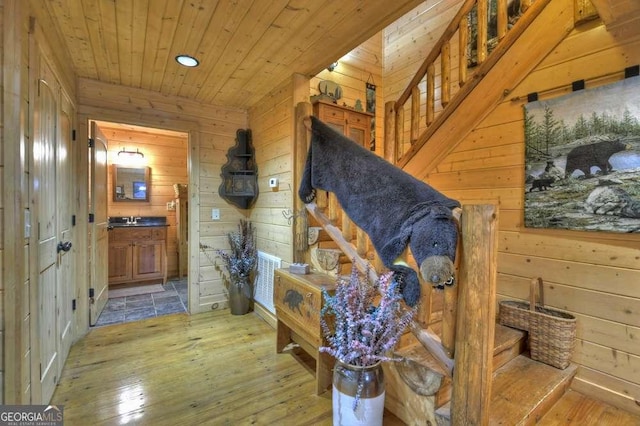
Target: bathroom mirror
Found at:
131, 183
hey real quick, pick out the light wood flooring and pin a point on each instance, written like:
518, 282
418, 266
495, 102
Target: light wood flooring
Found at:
219, 369
207, 369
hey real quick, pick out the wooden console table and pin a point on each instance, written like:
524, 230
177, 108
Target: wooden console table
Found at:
298, 301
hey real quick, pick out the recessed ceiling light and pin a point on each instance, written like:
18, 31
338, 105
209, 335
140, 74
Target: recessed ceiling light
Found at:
187, 61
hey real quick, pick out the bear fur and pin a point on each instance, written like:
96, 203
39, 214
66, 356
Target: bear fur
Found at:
596, 154
395, 209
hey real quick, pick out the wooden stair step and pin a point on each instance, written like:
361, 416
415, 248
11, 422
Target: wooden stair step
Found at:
508, 344
524, 390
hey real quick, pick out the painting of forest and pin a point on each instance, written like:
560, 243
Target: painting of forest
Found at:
582, 160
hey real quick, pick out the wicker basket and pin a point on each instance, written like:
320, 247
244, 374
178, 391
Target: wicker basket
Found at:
552, 333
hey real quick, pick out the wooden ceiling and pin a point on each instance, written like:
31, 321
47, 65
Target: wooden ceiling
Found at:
245, 47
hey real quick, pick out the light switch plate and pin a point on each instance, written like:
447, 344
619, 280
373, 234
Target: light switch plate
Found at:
215, 214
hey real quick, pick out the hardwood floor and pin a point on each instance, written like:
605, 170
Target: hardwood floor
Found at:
220, 369
212, 368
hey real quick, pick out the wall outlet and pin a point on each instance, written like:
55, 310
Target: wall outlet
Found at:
273, 182
171, 206
215, 214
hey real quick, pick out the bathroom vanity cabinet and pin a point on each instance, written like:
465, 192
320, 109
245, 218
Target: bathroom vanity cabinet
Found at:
137, 254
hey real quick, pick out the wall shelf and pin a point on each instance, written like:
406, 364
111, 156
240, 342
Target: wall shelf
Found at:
240, 174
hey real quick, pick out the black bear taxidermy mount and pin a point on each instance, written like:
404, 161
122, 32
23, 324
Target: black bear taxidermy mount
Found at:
395, 209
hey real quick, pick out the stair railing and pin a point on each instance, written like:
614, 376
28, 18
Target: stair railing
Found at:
404, 136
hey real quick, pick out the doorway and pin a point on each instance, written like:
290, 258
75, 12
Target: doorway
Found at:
144, 277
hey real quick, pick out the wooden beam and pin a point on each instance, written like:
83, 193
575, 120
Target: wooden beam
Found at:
476, 331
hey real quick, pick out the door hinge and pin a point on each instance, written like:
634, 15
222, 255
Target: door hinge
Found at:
73, 135
73, 305
92, 292
91, 218
91, 143
73, 220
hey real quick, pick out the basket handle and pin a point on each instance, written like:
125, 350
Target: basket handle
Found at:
535, 282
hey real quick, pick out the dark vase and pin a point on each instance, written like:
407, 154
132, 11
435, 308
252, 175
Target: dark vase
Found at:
239, 301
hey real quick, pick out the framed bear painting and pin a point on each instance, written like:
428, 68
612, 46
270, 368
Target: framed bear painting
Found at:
582, 160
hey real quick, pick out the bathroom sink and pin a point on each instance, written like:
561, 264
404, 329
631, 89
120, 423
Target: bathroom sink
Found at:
138, 222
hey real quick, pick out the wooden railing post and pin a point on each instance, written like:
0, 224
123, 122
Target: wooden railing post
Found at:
475, 332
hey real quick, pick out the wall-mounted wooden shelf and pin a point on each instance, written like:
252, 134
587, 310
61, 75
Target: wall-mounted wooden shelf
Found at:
240, 174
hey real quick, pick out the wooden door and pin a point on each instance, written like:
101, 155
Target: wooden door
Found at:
99, 292
53, 274
64, 194
44, 187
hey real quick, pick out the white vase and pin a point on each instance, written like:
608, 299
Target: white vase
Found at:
368, 401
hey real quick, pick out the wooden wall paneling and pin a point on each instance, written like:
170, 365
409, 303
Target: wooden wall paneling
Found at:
271, 121
587, 273
214, 125
621, 393
13, 314
547, 244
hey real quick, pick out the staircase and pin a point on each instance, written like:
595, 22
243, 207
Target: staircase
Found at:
499, 384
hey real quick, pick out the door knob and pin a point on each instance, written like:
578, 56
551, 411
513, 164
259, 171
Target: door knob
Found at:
64, 246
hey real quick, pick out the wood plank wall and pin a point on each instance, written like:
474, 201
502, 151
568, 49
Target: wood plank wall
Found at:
363, 64
271, 123
165, 152
212, 131
594, 275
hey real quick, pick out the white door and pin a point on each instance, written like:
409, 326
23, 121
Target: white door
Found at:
98, 208
53, 264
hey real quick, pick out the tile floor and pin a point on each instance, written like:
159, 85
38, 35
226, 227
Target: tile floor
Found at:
133, 308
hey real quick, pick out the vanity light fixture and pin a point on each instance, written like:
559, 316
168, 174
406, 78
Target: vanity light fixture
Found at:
130, 154
187, 61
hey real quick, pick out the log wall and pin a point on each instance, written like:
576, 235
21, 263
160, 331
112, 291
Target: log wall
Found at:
594, 275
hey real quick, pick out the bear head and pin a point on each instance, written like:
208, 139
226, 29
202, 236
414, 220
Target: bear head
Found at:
433, 243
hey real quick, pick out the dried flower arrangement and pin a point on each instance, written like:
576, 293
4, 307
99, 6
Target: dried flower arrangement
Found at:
363, 331
240, 260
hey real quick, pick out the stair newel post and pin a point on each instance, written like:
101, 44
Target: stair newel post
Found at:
475, 331
301, 144
450, 304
